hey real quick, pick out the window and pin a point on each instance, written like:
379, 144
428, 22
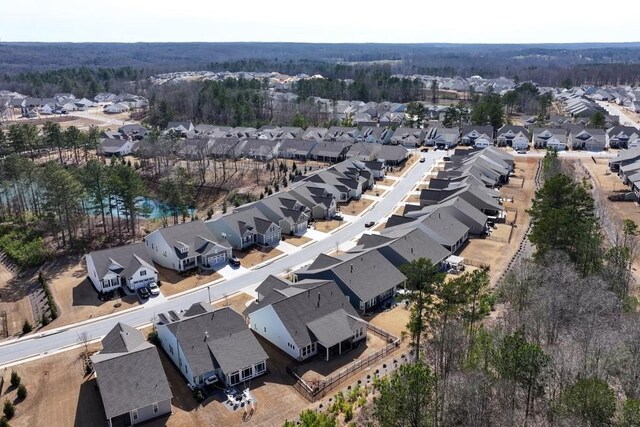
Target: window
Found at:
155, 408
234, 378
265, 329
171, 349
143, 272
134, 414
260, 367
247, 372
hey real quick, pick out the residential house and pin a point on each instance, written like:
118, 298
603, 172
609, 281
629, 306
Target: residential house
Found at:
442, 138
332, 152
444, 229
133, 132
131, 380
349, 135
391, 118
297, 149
227, 148
550, 138
305, 319
624, 158
244, 228
401, 246
180, 128
470, 133
129, 266
408, 137
456, 207
187, 246
315, 134
204, 344
377, 135
508, 134
622, 136
586, 139
367, 278
116, 108
320, 202
392, 155
115, 147
291, 216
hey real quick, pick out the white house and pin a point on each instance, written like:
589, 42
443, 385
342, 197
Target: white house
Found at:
207, 344
520, 142
304, 319
483, 141
115, 147
187, 246
129, 266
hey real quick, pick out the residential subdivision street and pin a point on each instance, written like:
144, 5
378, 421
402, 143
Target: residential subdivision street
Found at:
58, 339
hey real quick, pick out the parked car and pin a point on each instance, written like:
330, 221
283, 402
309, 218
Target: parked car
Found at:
154, 289
234, 261
211, 380
143, 293
338, 216
446, 158
369, 224
422, 159
424, 150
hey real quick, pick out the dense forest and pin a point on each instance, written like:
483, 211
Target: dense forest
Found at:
555, 344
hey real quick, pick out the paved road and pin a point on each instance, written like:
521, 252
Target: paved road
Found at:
39, 345
616, 110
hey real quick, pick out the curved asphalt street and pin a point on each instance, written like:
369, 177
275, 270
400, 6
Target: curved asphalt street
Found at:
58, 339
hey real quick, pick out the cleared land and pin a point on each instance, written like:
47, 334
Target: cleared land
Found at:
59, 393
298, 240
355, 207
173, 283
394, 320
237, 302
498, 253
256, 256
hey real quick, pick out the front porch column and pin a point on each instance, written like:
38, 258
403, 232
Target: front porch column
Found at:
339, 348
327, 358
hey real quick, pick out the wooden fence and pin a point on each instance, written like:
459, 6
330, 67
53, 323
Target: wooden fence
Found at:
318, 390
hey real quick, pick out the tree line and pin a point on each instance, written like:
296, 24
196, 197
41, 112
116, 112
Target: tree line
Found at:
556, 343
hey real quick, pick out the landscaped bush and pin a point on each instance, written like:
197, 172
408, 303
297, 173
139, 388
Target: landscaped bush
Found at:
9, 409
153, 337
15, 379
22, 392
26, 327
23, 246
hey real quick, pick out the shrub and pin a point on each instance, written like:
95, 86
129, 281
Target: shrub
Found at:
45, 320
153, 337
9, 409
15, 379
348, 414
23, 246
4, 422
197, 394
22, 392
26, 327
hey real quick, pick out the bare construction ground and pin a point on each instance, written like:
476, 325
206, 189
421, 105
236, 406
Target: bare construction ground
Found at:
173, 283
355, 207
497, 253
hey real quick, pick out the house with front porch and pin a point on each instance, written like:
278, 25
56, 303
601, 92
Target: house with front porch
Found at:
187, 246
306, 319
130, 378
408, 137
130, 266
245, 228
290, 215
622, 136
204, 343
507, 135
317, 199
367, 278
471, 133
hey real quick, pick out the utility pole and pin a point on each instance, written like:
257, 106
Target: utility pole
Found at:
209, 292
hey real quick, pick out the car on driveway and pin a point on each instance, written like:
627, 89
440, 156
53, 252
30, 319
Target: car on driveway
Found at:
369, 224
424, 150
234, 261
338, 217
154, 289
143, 293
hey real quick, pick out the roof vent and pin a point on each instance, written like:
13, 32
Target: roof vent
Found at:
206, 335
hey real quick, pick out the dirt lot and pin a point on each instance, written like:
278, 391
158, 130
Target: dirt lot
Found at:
327, 225
298, 240
393, 321
387, 182
497, 254
76, 298
399, 170
173, 283
14, 301
413, 198
355, 207
59, 395
237, 302
256, 256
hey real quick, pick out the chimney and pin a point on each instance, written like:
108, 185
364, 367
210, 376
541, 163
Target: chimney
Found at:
206, 335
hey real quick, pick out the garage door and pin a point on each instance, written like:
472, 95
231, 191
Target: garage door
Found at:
217, 259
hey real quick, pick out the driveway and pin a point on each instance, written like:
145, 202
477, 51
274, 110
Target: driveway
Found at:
41, 344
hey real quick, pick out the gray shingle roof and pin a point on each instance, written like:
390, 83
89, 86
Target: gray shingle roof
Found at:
211, 338
195, 235
130, 380
129, 258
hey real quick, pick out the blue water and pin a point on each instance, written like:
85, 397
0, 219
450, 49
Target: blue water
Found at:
152, 209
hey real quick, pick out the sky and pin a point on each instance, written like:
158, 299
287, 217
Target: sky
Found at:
325, 21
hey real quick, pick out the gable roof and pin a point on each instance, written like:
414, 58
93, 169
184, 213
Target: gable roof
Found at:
122, 260
132, 379
314, 310
215, 338
195, 236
